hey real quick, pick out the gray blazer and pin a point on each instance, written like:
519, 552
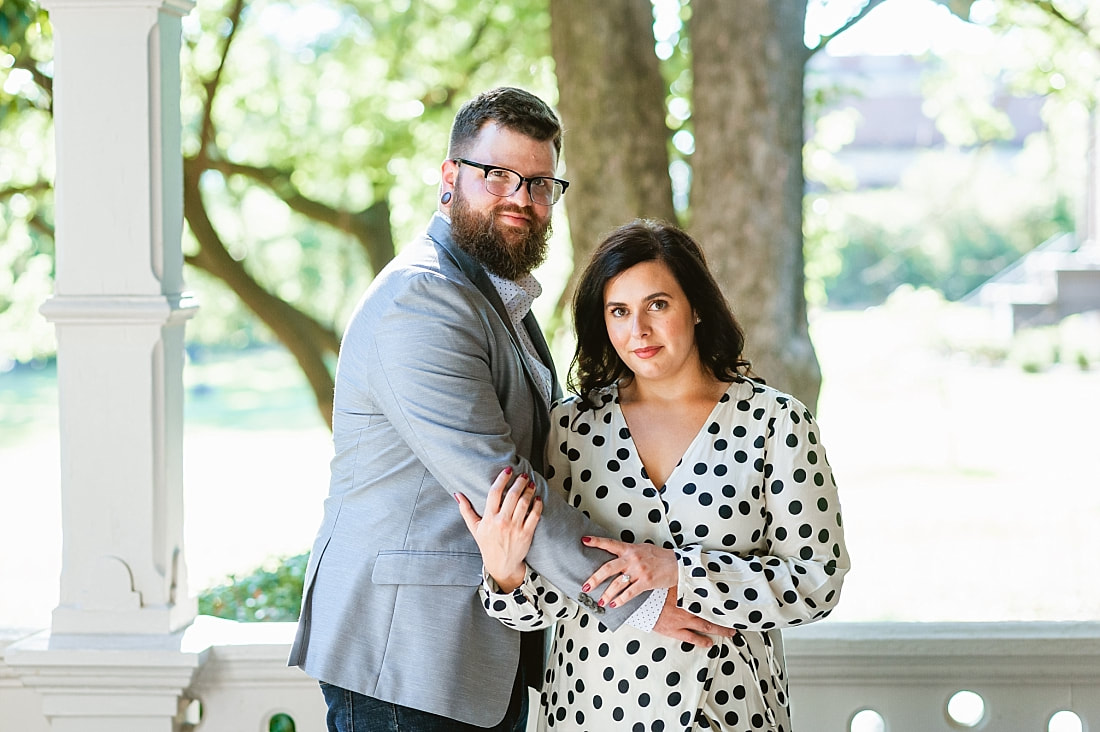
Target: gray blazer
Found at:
432, 398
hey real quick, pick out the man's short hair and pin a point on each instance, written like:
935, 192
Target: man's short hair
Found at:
511, 108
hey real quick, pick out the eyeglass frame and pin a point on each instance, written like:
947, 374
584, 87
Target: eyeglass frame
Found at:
486, 169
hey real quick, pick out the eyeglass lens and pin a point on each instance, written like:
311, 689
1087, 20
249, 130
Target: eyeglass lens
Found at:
504, 183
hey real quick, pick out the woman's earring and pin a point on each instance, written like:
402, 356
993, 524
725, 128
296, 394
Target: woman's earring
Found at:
698, 320
445, 198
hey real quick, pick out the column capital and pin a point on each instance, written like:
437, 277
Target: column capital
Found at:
120, 309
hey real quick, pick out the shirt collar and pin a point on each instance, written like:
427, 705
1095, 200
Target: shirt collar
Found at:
517, 295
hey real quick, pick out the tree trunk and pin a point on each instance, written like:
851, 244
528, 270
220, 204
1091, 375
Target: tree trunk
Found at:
307, 340
612, 103
747, 176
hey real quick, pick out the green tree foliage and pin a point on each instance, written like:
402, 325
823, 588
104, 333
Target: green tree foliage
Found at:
272, 592
26, 196
950, 226
313, 132
960, 216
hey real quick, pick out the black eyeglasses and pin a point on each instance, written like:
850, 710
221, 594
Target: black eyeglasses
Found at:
504, 182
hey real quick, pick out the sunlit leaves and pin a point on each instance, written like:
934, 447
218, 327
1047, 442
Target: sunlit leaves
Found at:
343, 104
954, 221
26, 169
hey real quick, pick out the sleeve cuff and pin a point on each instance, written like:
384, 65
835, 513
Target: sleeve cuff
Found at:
493, 589
645, 617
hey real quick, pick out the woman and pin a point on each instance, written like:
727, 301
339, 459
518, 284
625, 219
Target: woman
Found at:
670, 442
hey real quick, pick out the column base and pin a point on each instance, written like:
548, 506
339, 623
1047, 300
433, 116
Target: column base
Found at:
113, 682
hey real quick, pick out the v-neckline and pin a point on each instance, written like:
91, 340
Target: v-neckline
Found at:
687, 451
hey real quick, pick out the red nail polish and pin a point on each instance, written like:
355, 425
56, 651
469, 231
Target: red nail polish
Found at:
611, 604
586, 587
586, 539
600, 603
508, 470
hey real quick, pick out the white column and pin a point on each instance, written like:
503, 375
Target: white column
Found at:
119, 311
115, 657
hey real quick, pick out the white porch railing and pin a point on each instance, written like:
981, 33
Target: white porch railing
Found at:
908, 673
845, 677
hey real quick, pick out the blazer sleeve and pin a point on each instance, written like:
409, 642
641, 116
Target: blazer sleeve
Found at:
431, 346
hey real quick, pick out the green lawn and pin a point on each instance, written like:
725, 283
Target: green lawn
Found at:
257, 389
969, 487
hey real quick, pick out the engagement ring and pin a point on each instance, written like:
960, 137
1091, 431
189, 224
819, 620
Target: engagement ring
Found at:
626, 578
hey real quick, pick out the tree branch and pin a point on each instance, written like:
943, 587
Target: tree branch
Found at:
307, 340
370, 227
1078, 24
211, 85
41, 186
871, 5
41, 225
43, 81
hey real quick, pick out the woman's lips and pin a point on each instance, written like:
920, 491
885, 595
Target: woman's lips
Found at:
647, 352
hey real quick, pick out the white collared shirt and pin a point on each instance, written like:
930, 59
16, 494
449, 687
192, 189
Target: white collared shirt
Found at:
518, 297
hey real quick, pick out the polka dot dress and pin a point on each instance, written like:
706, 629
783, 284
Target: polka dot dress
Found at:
751, 511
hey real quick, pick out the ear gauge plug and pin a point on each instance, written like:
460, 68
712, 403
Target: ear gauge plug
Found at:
445, 198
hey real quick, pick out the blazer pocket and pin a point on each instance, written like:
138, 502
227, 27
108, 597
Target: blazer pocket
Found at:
427, 568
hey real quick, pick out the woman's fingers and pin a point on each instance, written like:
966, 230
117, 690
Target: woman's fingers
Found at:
511, 505
608, 569
469, 515
496, 491
601, 575
608, 545
531, 520
622, 589
524, 504
636, 568
513, 495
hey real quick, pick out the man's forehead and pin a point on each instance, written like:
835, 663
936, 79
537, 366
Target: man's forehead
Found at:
496, 139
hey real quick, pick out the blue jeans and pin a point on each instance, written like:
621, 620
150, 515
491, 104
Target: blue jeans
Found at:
350, 711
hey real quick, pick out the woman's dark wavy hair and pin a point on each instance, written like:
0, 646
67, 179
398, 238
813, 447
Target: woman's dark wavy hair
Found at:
718, 336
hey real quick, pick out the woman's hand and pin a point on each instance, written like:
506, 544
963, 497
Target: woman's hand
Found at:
639, 567
504, 534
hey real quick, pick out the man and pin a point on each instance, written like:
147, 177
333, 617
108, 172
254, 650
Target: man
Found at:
443, 380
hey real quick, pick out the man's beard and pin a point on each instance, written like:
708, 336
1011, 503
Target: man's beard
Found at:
480, 237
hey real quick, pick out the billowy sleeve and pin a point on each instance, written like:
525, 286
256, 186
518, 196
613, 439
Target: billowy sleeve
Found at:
797, 576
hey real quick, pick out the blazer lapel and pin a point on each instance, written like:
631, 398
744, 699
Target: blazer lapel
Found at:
543, 351
440, 232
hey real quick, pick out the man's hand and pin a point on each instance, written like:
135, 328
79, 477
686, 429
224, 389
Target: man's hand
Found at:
679, 624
